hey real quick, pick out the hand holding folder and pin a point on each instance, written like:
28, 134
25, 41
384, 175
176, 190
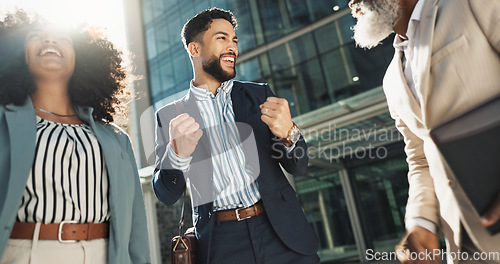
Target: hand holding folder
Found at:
470, 144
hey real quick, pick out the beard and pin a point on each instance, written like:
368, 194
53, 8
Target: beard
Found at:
377, 22
213, 67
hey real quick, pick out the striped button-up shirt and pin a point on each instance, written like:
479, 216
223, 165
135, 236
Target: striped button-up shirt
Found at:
235, 185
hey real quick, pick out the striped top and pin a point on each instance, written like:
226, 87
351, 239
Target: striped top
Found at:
235, 186
68, 179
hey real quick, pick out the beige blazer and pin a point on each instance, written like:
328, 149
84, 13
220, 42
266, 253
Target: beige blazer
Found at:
459, 67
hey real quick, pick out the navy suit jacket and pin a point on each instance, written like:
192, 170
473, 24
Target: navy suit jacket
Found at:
279, 198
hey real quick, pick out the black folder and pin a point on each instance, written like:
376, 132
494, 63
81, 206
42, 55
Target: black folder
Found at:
470, 144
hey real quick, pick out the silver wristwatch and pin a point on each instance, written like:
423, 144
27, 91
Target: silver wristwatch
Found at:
292, 137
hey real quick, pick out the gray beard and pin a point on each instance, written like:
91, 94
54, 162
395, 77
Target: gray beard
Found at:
377, 22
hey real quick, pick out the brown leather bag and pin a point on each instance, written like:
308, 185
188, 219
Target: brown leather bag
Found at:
184, 248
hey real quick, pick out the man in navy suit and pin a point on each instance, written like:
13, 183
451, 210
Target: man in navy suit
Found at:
244, 209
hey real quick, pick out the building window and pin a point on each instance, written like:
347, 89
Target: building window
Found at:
382, 191
322, 197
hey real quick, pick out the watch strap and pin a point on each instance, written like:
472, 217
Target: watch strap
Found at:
288, 140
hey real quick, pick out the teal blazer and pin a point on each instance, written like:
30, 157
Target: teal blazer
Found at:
128, 239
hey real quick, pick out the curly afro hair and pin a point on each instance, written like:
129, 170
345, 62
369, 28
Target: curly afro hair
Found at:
99, 79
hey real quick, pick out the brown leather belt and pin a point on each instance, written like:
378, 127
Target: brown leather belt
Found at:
241, 213
65, 232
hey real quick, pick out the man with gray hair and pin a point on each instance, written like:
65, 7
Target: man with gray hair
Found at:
446, 62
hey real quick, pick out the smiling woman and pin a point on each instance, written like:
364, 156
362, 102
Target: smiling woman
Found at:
49, 51
67, 174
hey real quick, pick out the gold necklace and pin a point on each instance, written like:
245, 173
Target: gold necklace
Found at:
48, 112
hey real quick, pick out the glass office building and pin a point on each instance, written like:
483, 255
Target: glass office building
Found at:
355, 190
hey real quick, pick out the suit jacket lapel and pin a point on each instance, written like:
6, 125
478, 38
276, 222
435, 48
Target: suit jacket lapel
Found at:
239, 104
427, 24
397, 91
21, 122
109, 147
240, 110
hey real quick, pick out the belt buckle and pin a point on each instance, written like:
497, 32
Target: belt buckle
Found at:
238, 214
59, 232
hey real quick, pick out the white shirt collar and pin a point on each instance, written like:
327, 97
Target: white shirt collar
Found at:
202, 94
415, 18
417, 11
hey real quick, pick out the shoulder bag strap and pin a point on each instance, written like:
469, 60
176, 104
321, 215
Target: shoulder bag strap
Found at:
179, 106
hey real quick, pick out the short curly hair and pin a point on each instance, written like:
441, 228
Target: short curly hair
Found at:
99, 79
201, 22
